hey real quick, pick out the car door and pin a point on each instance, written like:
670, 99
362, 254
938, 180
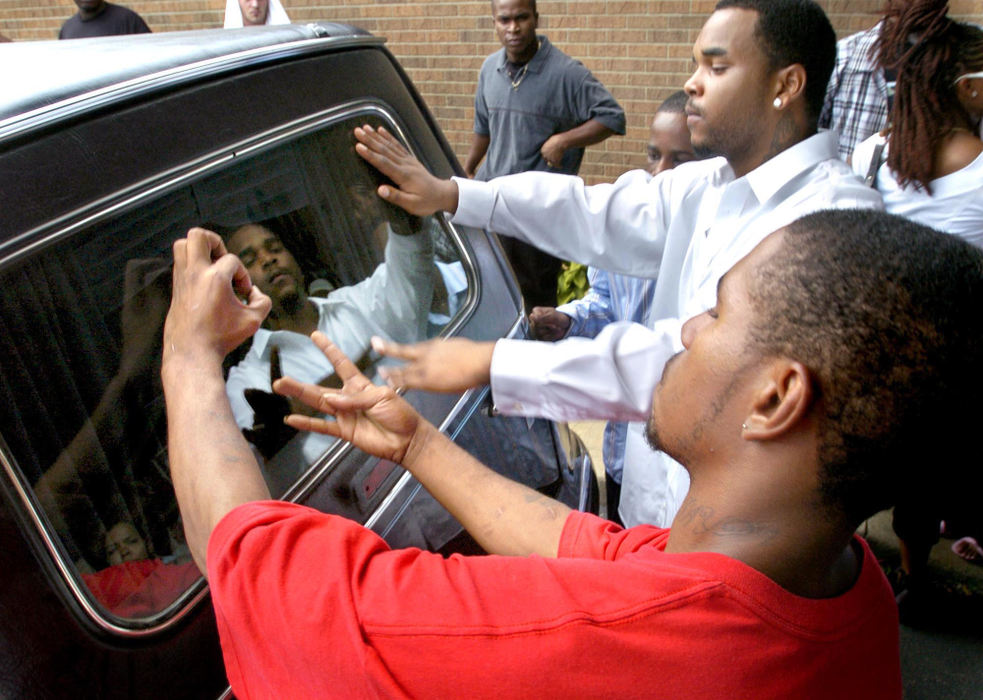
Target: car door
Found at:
101, 596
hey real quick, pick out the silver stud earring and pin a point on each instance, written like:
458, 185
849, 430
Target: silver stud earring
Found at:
744, 426
777, 103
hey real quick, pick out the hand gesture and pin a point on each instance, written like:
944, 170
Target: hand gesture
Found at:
416, 191
208, 317
373, 418
546, 323
448, 365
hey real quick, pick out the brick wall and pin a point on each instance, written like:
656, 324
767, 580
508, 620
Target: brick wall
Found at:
640, 49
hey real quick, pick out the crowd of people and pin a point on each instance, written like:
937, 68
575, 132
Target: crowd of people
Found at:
789, 357
782, 330
100, 18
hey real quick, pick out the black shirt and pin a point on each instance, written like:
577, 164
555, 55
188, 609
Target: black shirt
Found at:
114, 19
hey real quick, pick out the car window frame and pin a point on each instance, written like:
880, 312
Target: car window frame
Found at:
69, 578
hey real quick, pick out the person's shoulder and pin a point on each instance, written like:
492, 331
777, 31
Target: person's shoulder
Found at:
560, 60
959, 152
122, 13
866, 36
835, 183
119, 10
692, 172
493, 60
68, 26
854, 50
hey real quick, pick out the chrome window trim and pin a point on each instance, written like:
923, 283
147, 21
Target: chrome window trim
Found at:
104, 208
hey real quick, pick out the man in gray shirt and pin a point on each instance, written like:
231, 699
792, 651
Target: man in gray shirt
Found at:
535, 109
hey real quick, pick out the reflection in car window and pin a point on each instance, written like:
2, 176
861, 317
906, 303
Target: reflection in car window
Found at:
80, 337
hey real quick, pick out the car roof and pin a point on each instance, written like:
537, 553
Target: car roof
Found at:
51, 73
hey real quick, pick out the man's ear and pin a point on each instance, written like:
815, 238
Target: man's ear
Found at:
790, 83
781, 403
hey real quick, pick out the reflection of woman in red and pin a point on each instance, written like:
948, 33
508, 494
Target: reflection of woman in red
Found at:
123, 543
137, 585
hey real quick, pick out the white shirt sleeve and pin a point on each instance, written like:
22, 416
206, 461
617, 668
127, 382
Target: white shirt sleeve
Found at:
396, 298
609, 377
619, 227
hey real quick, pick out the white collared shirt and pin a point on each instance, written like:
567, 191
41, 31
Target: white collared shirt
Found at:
686, 227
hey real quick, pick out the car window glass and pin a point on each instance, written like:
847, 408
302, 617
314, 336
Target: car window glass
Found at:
83, 420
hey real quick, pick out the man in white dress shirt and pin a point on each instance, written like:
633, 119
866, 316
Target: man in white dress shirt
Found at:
393, 301
761, 70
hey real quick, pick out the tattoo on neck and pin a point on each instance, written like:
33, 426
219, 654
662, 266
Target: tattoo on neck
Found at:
703, 520
786, 135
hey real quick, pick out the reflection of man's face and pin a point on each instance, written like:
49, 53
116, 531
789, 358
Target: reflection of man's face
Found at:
123, 543
271, 267
253, 12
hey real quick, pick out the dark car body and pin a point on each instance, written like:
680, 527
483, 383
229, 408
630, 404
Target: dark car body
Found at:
110, 149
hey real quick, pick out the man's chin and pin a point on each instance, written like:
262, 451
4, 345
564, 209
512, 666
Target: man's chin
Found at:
652, 436
656, 442
291, 302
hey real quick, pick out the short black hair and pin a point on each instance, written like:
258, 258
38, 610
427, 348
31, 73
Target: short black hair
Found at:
532, 6
674, 104
795, 31
886, 314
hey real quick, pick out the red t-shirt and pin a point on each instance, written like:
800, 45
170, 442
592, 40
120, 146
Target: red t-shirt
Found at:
141, 588
313, 605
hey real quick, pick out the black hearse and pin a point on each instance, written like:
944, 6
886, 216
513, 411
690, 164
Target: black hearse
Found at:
109, 150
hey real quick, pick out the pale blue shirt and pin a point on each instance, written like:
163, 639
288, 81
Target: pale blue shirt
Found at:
611, 298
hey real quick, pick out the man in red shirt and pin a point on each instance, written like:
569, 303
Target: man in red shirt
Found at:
802, 402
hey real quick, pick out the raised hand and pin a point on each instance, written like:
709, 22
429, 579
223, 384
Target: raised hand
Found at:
373, 418
417, 190
449, 365
208, 317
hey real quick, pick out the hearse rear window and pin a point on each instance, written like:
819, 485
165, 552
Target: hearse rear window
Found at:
83, 421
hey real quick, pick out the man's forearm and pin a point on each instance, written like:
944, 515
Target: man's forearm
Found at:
212, 465
587, 134
504, 516
610, 377
479, 147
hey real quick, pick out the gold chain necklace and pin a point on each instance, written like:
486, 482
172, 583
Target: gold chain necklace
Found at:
520, 76
521, 73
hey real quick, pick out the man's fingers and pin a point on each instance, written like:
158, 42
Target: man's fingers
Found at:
400, 352
313, 425
400, 199
310, 394
204, 244
180, 254
381, 141
259, 302
376, 159
394, 376
343, 367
